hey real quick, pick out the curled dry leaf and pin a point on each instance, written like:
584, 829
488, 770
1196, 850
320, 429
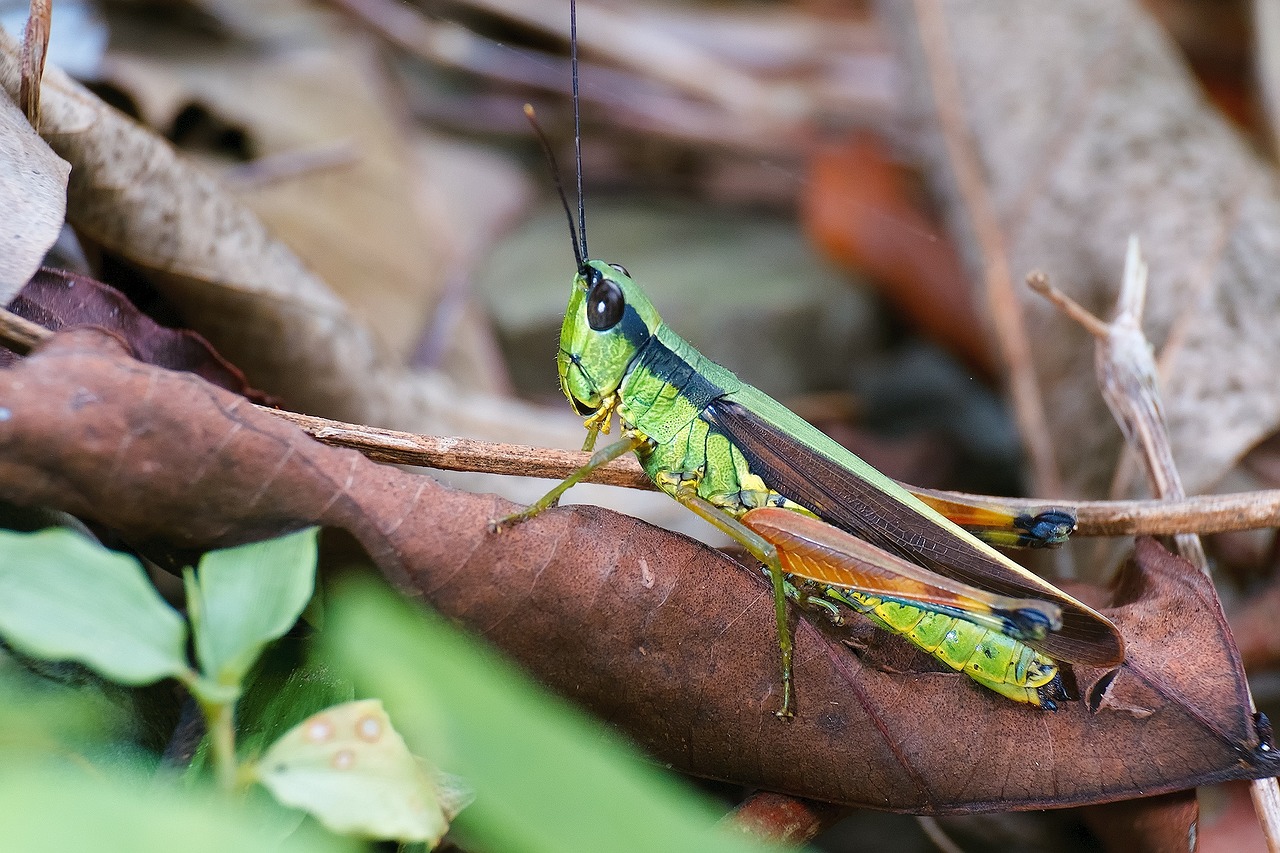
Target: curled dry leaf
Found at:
334, 176
1089, 128
33, 198
57, 299
654, 632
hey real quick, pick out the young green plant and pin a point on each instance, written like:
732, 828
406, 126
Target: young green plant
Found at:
63, 597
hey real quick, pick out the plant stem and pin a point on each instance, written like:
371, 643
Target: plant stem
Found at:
219, 719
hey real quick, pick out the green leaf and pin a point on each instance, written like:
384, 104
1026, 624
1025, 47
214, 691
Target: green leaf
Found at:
66, 807
349, 768
546, 777
65, 598
243, 598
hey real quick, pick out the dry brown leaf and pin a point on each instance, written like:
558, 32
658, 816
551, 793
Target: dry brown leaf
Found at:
58, 299
1089, 128
353, 220
392, 220
33, 198
657, 634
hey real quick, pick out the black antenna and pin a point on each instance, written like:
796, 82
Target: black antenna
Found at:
578, 253
577, 129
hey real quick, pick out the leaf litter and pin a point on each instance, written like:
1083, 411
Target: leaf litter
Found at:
696, 733
684, 659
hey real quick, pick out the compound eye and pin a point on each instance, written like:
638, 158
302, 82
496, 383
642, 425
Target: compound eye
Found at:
605, 303
620, 268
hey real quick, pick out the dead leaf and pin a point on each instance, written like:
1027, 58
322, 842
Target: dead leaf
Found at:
33, 198
354, 222
685, 658
1089, 128
58, 299
391, 219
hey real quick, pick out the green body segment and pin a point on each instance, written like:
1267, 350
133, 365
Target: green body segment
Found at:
683, 450
660, 394
990, 658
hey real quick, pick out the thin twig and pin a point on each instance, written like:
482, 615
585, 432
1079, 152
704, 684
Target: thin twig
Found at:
1130, 384
632, 42
1203, 514
35, 47
463, 454
452, 45
292, 165
838, 70
629, 40
19, 333
1129, 381
1006, 311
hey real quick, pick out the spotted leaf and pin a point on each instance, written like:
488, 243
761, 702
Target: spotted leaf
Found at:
349, 768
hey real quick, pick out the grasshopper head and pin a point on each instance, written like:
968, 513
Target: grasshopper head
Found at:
609, 319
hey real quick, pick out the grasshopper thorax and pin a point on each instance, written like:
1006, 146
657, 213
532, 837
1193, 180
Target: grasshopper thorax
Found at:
608, 322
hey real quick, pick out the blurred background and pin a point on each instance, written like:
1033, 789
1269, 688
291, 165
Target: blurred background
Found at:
783, 179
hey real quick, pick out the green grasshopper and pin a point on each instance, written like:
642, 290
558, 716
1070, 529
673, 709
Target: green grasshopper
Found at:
792, 496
